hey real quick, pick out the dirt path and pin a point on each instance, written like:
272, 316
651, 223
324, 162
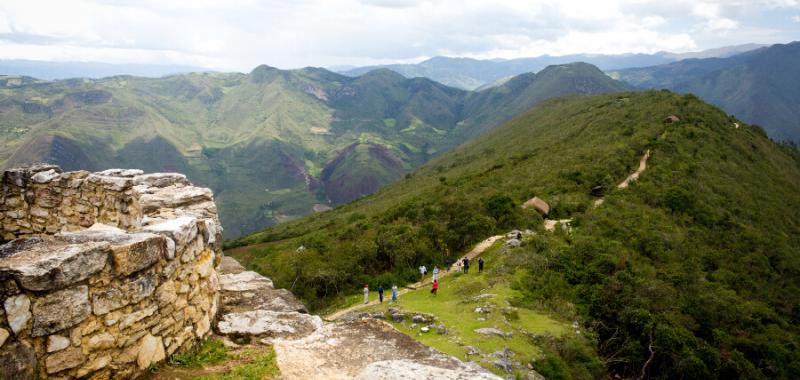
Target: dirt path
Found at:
642, 166
479, 248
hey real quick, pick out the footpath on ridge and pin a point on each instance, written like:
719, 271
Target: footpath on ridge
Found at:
479, 248
254, 313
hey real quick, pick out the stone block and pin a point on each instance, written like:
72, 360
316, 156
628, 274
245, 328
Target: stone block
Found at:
181, 230
94, 365
52, 265
131, 252
59, 310
137, 316
117, 296
66, 359
18, 312
101, 341
57, 343
151, 350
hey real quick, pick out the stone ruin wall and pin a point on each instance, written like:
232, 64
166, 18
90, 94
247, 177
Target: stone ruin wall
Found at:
110, 272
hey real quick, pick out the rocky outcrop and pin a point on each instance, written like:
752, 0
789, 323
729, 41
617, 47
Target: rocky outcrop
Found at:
105, 274
252, 309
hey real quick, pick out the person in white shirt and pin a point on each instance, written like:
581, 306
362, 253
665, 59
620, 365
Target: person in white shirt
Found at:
435, 273
366, 293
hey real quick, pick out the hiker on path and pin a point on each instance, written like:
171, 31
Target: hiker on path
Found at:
447, 264
422, 271
466, 265
435, 287
366, 293
480, 264
519, 236
380, 293
435, 273
394, 293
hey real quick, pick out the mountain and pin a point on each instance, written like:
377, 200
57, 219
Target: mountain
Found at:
761, 86
471, 74
63, 70
272, 144
691, 271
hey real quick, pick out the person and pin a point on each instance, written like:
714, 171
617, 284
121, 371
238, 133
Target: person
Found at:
447, 264
480, 264
422, 271
466, 265
366, 293
394, 293
380, 293
519, 236
435, 273
435, 287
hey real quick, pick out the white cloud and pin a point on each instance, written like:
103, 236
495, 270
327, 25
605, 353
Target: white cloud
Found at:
239, 34
796, 18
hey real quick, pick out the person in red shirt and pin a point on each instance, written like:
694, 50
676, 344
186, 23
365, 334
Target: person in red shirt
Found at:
435, 287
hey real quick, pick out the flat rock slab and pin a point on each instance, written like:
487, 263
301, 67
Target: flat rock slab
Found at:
266, 323
261, 299
244, 281
229, 265
344, 350
47, 265
493, 331
404, 369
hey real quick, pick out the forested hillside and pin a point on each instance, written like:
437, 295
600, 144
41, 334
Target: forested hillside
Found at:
692, 271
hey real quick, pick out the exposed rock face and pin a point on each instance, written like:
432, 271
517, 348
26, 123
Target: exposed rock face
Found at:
106, 273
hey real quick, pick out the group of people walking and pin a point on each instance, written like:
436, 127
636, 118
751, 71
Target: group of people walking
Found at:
463, 265
380, 293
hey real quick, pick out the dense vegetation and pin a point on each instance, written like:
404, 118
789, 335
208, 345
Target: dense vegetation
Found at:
761, 86
692, 272
272, 144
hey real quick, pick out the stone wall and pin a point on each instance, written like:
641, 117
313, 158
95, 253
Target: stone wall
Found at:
104, 274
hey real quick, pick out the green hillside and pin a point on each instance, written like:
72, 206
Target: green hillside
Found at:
691, 272
761, 86
272, 144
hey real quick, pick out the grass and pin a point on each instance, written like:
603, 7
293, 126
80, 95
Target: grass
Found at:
454, 307
263, 366
213, 361
210, 352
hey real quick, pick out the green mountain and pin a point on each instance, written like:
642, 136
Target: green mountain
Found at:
272, 144
761, 86
692, 271
472, 74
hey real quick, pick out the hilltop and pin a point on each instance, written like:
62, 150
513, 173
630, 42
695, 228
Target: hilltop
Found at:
273, 144
472, 74
759, 86
692, 269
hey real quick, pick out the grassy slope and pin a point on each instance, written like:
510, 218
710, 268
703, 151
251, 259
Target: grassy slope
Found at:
699, 257
454, 308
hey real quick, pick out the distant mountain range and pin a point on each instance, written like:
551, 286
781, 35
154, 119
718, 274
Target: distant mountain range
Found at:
63, 70
761, 86
273, 144
470, 74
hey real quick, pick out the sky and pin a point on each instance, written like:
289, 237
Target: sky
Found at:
241, 34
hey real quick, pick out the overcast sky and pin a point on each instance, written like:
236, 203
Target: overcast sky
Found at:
240, 34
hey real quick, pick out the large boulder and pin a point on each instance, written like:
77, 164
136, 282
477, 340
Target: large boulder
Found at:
538, 204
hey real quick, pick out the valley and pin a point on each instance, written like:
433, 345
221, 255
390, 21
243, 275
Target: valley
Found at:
274, 145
